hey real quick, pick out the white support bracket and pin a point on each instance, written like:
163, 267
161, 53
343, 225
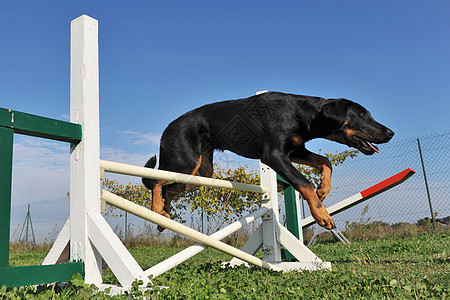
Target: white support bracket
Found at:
271, 235
60, 249
115, 254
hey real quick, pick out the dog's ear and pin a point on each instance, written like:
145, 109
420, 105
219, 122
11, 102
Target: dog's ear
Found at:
335, 112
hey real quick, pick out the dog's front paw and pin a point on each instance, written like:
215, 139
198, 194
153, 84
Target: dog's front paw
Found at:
323, 190
322, 217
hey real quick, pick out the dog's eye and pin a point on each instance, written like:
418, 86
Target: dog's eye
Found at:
363, 114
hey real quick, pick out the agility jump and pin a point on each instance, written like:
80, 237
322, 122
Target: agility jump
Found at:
91, 240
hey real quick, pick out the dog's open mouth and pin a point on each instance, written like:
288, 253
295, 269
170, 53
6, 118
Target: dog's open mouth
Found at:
366, 145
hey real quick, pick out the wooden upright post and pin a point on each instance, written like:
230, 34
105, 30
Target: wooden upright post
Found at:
270, 245
84, 157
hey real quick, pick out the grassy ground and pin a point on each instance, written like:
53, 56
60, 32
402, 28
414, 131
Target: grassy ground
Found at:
411, 267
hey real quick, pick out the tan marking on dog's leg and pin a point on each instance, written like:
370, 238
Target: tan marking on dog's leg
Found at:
318, 210
176, 189
163, 204
158, 201
324, 166
325, 182
197, 166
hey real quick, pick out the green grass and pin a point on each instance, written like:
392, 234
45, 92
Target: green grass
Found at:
408, 268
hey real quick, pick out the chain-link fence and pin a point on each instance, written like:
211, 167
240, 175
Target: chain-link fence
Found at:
427, 192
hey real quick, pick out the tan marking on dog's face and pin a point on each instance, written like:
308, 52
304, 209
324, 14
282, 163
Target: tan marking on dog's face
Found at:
351, 132
297, 140
337, 137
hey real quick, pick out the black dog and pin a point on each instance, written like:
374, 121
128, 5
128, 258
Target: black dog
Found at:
272, 127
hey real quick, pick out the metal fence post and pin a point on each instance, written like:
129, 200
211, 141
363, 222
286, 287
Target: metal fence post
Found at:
426, 185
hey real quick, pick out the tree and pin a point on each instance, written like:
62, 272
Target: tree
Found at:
136, 193
336, 159
222, 205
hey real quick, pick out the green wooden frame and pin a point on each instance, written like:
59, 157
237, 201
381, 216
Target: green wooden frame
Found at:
291, 214
38, 126
22, 123
34, 275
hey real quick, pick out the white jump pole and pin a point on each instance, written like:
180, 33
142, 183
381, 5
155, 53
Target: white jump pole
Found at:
125, 169
153, 217
189, 252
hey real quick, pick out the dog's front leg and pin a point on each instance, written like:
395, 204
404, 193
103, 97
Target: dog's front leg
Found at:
318, 210
285, 169
306, 157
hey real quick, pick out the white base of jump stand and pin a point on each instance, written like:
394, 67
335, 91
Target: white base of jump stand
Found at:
270, 236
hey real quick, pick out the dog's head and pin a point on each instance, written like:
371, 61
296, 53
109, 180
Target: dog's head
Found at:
352, 125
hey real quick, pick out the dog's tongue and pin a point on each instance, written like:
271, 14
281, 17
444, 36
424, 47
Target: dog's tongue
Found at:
375, 148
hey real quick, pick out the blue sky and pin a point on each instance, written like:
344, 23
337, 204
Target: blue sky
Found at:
159, 59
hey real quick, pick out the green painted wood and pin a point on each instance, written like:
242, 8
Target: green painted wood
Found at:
6, 157
34, 275
38, 126
281, 181
291, 213
291, 218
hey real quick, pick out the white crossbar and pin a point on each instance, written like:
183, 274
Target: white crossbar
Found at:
153, 217
125, 169
189, 252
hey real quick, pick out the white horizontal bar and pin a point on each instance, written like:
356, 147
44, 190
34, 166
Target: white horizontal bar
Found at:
153, 217
189, 252
125, 169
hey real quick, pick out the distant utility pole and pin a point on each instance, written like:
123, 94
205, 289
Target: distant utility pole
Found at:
29, 225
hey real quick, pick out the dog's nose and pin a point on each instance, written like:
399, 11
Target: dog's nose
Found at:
389, 133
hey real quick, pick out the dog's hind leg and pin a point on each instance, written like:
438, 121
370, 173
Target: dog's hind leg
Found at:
203, 167
158, 201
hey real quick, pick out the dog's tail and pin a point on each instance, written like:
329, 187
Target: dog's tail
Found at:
150, 183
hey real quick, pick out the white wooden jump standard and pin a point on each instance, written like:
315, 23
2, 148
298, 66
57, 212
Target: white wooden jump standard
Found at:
90, 238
